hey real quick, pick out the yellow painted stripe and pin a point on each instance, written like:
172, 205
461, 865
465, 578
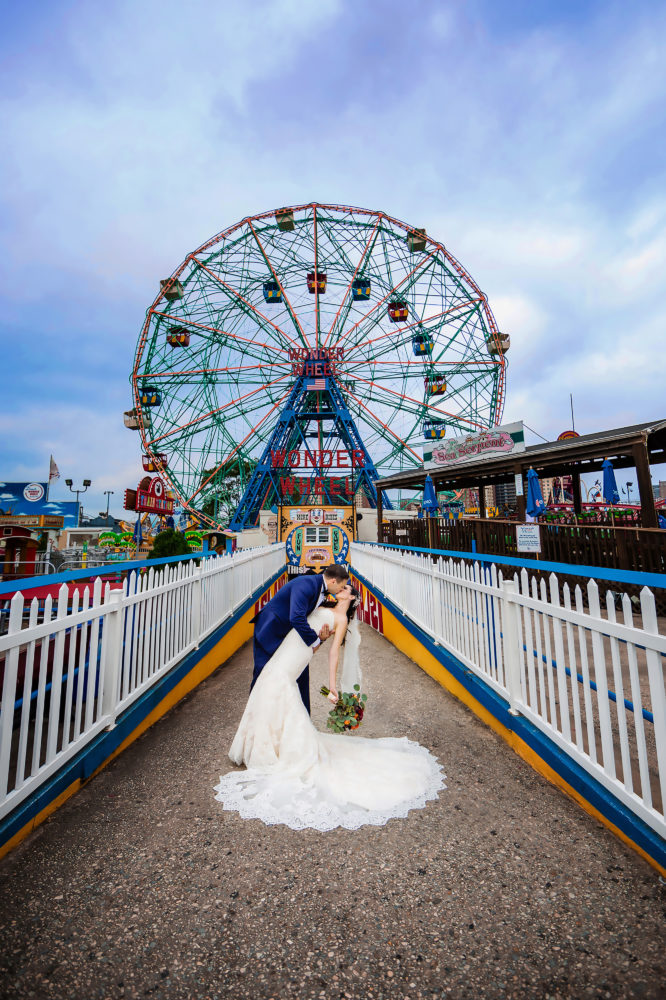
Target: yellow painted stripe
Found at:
404, 640
40, 817
240, 632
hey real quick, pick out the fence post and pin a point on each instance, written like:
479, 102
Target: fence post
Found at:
113, 623
510, 636
195, 617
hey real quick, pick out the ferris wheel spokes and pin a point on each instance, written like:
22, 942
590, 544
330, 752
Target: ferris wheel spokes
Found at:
217, 410
381, 302
232, 292
237, 449
292, 315
346, 302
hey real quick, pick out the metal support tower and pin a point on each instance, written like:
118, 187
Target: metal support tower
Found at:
305, 406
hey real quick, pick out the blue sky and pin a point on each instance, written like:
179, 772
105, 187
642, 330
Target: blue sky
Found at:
528, 137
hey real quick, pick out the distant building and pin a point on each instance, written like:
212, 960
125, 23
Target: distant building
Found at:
505, 495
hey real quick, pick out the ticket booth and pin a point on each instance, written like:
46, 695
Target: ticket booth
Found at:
316, 537
18, 551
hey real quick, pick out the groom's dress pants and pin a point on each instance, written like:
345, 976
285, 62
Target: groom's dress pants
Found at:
261, 658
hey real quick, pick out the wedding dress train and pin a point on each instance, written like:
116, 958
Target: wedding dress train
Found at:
306, 779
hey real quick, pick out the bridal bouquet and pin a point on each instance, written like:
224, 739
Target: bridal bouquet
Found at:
348, 711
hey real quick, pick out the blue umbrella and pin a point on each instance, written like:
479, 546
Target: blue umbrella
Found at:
138, 533
535, 504
430, 505
611, 494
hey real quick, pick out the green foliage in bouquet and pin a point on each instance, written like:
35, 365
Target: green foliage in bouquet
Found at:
348, 711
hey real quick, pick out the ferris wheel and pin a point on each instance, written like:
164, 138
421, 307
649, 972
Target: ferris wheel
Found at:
414, 349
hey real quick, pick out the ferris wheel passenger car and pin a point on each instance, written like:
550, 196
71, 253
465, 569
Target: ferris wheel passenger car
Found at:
172, 289
435, 385
501, 346
272, 291
422, 344
150, 396
434, 431
361, 289
178, 336
397, 311
318, 283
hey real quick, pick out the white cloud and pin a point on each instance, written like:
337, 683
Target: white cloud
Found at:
138, 147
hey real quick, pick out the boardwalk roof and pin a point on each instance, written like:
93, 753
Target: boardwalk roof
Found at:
554, 458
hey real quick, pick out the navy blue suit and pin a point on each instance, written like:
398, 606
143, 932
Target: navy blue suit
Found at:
288, 609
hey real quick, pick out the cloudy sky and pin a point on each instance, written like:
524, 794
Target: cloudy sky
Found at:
527, 136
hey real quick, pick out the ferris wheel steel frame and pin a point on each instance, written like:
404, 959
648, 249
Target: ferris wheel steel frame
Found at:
223, 289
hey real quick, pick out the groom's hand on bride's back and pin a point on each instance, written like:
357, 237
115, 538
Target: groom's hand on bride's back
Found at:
324, 632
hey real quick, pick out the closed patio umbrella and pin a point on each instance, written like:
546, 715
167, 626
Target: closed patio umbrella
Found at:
430, 505
535, 503
611, 494
138, 533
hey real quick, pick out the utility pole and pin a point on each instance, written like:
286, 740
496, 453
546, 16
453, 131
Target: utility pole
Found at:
86, 484
108, 494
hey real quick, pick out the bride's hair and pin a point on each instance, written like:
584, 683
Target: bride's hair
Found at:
353, 604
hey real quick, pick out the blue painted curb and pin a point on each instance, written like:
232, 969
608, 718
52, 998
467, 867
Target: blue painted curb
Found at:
92, 756
575, 776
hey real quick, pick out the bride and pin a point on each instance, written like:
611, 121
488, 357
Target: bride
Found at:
300, 777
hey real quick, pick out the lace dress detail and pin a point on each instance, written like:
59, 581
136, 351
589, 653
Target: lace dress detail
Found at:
302, 778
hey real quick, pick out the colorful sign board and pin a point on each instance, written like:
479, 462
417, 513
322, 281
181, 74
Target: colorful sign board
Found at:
149, 497
48, 521
316, 537
447, 453
32, 499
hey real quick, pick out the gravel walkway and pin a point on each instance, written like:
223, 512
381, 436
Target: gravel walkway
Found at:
141, 886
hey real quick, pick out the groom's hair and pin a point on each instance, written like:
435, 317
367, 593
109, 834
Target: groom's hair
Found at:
336, 572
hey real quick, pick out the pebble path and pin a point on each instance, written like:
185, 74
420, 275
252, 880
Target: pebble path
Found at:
142, 886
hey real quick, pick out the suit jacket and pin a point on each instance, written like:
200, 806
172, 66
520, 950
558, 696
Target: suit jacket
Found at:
289, 609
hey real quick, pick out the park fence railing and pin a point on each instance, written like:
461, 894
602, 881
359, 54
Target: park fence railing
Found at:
587, 669
70, 667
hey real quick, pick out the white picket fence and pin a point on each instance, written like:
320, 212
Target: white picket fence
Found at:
591, 680
71, 669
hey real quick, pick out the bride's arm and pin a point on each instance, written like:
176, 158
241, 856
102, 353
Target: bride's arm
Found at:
340, 623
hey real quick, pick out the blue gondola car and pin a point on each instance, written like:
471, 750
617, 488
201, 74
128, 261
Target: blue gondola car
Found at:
361, 289
422, 343
150, 396
433, 430
272, 291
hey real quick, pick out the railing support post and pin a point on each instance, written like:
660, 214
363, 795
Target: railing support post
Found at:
113, 622
510, 640
195, 619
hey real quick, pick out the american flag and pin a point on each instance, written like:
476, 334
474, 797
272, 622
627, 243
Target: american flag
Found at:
316, 383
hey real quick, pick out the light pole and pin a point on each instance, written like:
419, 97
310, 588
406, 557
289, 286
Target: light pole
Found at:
108, 494
86, 484
629, 485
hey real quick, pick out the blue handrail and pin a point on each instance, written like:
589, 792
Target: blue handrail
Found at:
573, 569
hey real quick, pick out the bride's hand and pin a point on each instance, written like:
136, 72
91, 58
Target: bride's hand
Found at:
332, 695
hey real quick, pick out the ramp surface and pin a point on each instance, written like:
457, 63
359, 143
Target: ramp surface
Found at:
142, 886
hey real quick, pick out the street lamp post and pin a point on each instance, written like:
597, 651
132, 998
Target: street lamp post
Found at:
86, 484
108, 494
629, 485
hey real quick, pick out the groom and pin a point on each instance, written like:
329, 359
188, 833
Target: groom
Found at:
290, 609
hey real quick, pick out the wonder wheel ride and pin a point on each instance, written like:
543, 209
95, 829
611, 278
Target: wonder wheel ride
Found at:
413, 347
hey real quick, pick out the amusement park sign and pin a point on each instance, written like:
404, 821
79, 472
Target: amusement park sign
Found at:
495, 441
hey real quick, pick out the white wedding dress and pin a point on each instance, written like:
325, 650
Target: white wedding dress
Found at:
302, 778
